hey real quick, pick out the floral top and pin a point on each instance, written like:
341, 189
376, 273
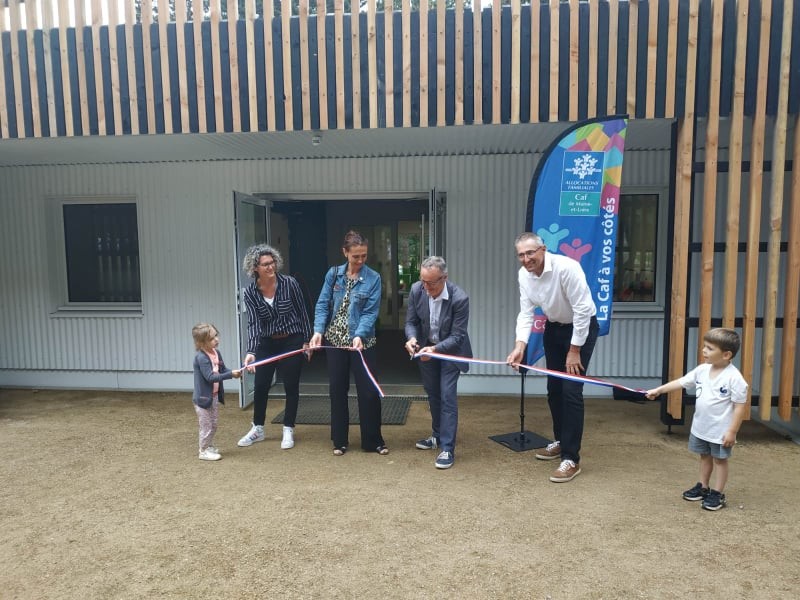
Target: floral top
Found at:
337, 333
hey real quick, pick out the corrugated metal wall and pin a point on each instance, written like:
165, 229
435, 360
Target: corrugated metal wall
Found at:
186, 247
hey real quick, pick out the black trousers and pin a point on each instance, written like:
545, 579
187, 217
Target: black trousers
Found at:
289, 369
341, 363
565, 398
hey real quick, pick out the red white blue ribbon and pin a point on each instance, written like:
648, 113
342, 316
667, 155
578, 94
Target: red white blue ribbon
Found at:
278, 357
548, 372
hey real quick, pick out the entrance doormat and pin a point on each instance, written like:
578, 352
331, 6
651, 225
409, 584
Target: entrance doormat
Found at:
316, 410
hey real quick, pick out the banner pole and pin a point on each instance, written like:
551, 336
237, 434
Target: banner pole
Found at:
521, 440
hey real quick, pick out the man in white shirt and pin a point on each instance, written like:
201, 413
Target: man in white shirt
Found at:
557, 285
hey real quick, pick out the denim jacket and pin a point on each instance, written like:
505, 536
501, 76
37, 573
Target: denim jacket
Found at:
365, 301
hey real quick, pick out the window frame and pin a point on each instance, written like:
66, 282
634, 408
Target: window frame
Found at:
63, 306
657, 305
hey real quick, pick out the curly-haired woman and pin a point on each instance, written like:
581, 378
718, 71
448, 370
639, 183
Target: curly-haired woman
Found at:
277, 323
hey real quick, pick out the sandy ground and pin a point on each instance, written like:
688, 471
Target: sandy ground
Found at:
103, 497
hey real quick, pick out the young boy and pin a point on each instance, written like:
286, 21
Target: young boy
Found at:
721, 393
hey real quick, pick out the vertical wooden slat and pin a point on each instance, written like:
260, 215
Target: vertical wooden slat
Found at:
338, 25
199, 69
372, 64
83, 84
16, 26
554, 46
672, 60
515, 60
405, 9
183, 85
47, 27
116, 94
652, 51
305, 91
130, 58
286, 43
322, 62
497, 60
791, 296
633, 36
477, 38
252, 91
776, 222
4, 131
574, 57
356, 62
149, 82
97, 54
66, 88
423, 63
163, 53
233, 52
613, 39
683, 199
388, 24
536, 36
458, 118
31, 25
215, 11
734, 200
710, 173
754, 205
441, 62
269, 64
591, 109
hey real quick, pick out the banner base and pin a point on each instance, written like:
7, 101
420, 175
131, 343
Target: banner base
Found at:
520, 441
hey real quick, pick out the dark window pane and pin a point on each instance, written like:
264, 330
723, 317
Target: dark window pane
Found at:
102, 246
634, 279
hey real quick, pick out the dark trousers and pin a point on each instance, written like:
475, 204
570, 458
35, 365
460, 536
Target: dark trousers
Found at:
440, 380
566, 397
340, 364
289, 369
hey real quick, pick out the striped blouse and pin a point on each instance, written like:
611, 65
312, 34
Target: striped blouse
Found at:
287, 315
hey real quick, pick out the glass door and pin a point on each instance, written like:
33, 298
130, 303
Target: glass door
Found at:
251, 221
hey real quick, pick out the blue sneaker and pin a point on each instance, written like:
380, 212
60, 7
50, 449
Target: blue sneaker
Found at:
430, 443
445, 460
714, 500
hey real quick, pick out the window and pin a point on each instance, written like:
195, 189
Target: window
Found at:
101, 241
636, 257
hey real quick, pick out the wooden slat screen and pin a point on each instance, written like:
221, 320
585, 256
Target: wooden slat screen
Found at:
636, 58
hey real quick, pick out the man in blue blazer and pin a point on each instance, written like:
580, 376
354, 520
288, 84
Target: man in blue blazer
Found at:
436, 321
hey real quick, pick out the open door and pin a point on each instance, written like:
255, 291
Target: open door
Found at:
251, 222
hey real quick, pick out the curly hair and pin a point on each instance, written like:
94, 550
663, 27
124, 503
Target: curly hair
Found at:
254, 254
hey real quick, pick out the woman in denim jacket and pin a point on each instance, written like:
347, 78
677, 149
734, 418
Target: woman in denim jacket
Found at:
345, 314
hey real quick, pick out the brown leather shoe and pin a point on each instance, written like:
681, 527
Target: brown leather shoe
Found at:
551, 452
567, 471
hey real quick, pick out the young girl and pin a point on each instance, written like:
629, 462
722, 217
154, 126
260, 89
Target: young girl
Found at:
209, 371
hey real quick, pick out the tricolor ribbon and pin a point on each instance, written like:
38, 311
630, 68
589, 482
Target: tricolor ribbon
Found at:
279, 357
549, 372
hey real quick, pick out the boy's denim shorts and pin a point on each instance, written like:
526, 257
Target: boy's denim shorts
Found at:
703, 447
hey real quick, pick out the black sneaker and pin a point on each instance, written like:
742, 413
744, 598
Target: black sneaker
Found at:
698, 492
714, 501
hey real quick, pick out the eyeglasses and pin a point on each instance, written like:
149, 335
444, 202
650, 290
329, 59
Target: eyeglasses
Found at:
267, 265
431, 283
528, 253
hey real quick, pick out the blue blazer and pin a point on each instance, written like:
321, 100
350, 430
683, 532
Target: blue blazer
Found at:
204, 378
453, 321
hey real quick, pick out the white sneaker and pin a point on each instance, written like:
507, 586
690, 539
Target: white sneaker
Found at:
256, 434
209, 454
214, 449
288, 438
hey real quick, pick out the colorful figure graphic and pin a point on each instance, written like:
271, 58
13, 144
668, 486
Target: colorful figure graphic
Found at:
575, 250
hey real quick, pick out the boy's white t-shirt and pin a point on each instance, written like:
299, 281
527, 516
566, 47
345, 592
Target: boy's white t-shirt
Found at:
713, 410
